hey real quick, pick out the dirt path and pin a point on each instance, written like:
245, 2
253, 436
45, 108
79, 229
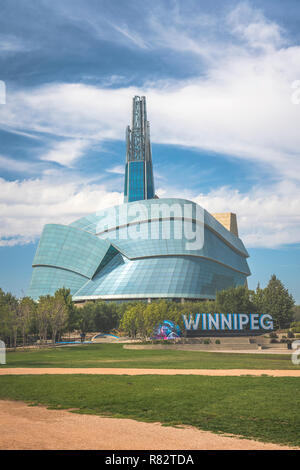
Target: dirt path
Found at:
27, 427
120, 371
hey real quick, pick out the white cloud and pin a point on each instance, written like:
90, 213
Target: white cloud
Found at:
10, 43
66, 152
118, 170
252, 26
19, 166
136, 39
26, 206
267, 217
240, 106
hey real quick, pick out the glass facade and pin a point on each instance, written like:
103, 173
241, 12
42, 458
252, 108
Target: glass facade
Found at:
136, 185
100, 256
159, 277
65, 247
145, 248
139, 182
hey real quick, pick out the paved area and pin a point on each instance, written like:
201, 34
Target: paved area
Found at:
121, 371
37, 428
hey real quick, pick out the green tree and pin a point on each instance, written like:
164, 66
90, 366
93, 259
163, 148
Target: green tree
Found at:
258, 299
297, 313
86, 318
27, 309
5, 330
235, 300
42, 316
132, 321
72, 310
107, 316
57, 314
278, 302
14, 317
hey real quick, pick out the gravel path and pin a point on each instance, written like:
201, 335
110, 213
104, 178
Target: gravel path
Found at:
121, 371
35, 428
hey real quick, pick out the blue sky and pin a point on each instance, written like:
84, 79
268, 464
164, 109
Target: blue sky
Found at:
218, 77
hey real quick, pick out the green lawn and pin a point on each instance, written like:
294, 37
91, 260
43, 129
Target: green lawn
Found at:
264, 408
113, 355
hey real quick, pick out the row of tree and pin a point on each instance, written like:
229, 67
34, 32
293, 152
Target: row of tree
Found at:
23, 320
141, 319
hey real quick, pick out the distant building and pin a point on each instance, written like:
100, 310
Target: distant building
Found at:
146, 248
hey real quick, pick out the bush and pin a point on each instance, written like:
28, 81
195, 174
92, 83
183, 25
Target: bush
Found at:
290, 334
274, 340
218, 341
206, 341
295, 327
273, 335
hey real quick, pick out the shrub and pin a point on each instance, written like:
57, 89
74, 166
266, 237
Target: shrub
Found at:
206, 341
218, 341
274, 340
290, 334
273, 335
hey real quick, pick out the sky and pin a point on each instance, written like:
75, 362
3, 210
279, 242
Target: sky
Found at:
222, 83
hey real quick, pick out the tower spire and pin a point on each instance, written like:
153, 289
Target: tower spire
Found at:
139, 182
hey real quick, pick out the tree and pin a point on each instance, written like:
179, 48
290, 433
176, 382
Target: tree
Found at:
297, 313
26, 310
235, 300
42, 314
132, 321
86, 317
141, 319
278, 302
57, 314
258, 299
13, 316
5, 331
107, 316
72, 310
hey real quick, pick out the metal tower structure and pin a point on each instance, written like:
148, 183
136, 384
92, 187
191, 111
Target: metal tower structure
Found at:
139, 182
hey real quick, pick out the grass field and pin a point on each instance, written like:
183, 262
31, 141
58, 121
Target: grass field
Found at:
113, 355
264, 408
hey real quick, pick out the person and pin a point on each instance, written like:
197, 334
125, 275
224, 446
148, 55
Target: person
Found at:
82, 337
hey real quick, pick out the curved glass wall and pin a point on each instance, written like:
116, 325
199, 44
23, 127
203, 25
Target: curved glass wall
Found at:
66, 247
140, 250
161, 277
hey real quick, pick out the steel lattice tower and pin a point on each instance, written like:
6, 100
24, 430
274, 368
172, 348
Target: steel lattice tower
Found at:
139, 182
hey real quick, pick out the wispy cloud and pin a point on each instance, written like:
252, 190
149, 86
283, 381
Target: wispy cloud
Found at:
118, 170
26, 206
254, 28
241, 108
267, 216
135, 38
10, 43
239, 105
18, 166
66, 152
